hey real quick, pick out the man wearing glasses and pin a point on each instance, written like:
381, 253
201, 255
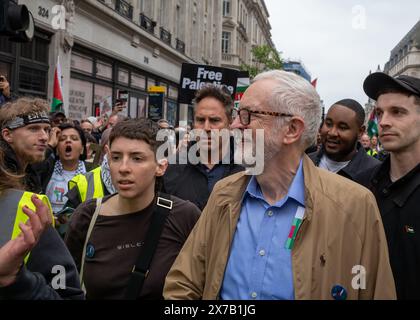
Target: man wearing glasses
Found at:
292, 232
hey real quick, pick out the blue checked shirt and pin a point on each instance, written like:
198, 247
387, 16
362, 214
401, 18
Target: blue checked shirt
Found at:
259, 265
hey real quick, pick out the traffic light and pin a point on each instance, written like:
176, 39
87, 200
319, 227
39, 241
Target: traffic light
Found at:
16, 21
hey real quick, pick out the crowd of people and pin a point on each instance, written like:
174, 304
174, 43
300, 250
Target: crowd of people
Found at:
98, 198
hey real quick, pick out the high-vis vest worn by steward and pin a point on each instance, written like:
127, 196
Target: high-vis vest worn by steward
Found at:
89, 185
11, 214
372, 153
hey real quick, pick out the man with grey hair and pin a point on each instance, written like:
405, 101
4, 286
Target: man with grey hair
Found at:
292, 232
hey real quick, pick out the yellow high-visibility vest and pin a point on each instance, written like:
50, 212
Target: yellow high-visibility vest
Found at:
372, 152
11, 214
89, 185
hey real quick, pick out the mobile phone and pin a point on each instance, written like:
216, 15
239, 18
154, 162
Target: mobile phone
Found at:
122, 96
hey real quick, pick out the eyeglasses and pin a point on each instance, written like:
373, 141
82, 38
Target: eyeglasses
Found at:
245, 115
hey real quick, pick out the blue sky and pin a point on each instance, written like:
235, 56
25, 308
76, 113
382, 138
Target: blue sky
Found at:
340, 41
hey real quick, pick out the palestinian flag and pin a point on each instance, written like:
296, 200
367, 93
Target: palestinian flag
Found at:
373, 124
241, 86
57, 100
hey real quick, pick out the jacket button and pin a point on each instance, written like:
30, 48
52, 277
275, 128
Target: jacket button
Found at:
385, 191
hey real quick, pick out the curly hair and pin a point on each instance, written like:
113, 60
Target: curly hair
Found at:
20, 107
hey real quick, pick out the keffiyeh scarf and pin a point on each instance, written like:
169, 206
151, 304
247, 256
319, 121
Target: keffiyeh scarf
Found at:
106, 176
58, 168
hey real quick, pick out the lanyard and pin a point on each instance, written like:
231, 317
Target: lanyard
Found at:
297, 221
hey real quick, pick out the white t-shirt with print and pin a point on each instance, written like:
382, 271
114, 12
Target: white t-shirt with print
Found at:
57, 188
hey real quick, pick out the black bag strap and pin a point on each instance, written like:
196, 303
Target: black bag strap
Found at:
161, 210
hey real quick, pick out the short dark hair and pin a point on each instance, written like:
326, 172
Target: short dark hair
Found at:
401, 91
69, 125
356, 107
221, 94
137, 129
90, 138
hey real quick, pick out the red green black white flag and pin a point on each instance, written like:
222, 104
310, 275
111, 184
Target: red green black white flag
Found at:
57, 100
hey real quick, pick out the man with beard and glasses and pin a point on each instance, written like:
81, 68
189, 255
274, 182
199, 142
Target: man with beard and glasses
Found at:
292, 232
341, 151
28, 262
396, 182
195, 181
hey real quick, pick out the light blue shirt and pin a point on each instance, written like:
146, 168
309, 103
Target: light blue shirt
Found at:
259, 265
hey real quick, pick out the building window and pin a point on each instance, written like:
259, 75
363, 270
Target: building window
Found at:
26, 65
80, 99
104, 70
81, 63
173, 92
225, 42
103, 96
171, 112
33, 67
123, 76
138, 81
141, 108
226, 8
33, 80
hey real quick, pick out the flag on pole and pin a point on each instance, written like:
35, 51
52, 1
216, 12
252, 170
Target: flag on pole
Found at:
313, 83
241, 86
57, 100
373, 124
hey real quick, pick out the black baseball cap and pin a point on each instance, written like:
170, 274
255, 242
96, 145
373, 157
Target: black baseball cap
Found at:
378, 81
57, 113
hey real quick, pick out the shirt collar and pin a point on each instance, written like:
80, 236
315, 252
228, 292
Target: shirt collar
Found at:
296, 190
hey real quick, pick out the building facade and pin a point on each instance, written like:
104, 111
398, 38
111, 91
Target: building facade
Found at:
245, 25
405, 57
404, 60
105, 46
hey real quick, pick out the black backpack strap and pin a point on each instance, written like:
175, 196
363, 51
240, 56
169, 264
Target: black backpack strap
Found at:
161, 210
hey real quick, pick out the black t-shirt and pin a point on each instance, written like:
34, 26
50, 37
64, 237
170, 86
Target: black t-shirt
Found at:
399, 205
118, 241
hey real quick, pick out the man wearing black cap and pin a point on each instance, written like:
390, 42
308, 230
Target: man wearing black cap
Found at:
57, 118
341, 151
396, 182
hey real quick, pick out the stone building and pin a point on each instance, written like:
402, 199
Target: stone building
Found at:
105, 46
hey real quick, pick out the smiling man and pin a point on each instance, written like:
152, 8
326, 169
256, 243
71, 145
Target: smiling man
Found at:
341, 152
396, 182
292, 232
